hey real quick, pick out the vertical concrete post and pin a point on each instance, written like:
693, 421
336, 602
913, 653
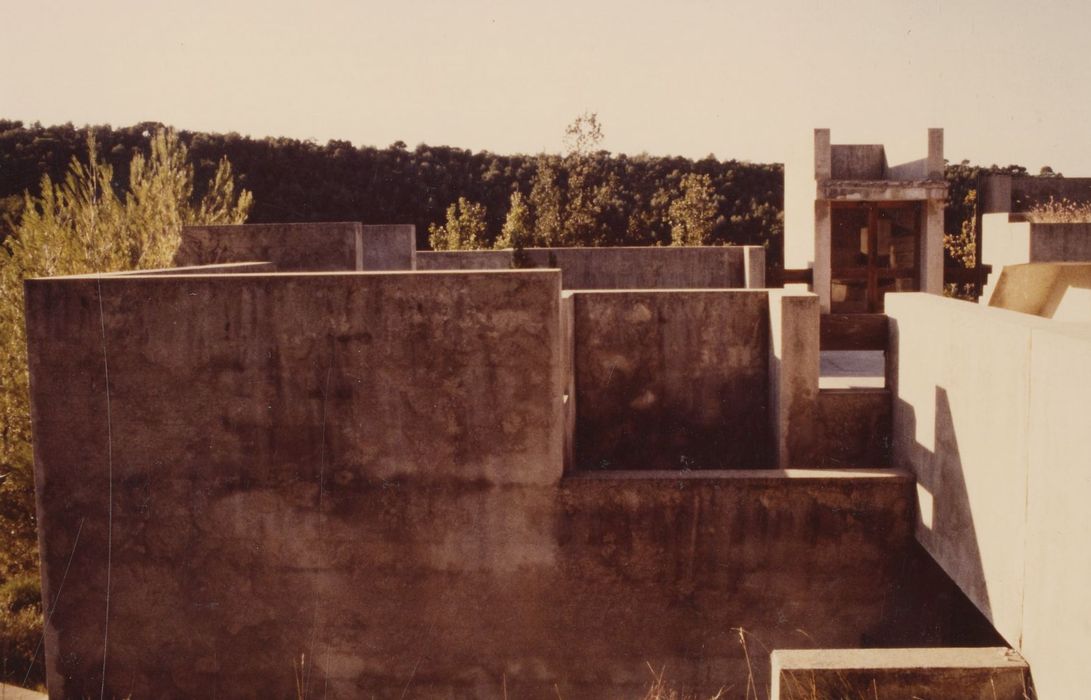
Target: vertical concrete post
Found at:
932, 247
793, 377
754, 267
823, 162
935, 165
823, 262
568, 376
823, 172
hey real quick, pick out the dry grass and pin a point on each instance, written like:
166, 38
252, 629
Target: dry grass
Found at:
1062, 211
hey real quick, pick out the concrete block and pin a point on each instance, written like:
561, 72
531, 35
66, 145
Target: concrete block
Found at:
386, 247
754, 265
928, 674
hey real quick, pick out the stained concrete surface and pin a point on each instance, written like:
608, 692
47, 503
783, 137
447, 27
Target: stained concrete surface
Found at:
354, 482
671, 380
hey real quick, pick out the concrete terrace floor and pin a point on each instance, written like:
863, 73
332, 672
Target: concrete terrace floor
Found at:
851, 369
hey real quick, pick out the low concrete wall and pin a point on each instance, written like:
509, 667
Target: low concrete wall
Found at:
671, 379
710, 267
268, 485
967, 674
310, 247
291, 247
988, 414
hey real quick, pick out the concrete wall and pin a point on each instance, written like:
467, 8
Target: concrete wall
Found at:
671, 380
353, 483
967, 674
989, 415
707, 267
312, 247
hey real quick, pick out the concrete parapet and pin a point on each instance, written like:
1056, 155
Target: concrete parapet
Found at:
793, 377
303, 247
988, 673
690, 267
311, 247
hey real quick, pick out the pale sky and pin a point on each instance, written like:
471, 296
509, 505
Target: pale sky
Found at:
1010, 81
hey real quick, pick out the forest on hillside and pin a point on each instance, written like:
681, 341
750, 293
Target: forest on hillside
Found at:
628, 198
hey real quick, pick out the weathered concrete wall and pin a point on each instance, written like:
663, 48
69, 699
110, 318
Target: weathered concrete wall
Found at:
988, 414
305, 247
989, 673
671, 379
353, 483
708, 267
310, 247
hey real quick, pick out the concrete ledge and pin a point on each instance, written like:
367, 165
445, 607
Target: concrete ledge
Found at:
990, 673
220, 269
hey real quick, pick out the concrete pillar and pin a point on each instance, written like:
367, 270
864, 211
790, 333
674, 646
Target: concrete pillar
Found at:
754, 266
935, 165
823, 162
932, 248
822, 257
793, 377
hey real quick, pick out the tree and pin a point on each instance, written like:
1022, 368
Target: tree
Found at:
693, 213
77, 226
548, 201
517, 232
464, 229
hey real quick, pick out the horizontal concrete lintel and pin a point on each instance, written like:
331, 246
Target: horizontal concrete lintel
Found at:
876, 659
740, 475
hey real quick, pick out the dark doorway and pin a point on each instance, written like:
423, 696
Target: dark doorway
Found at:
874, 249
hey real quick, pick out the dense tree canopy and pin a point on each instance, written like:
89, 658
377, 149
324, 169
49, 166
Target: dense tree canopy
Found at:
615, 200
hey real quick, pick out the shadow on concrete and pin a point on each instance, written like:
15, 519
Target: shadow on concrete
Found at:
928, 607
